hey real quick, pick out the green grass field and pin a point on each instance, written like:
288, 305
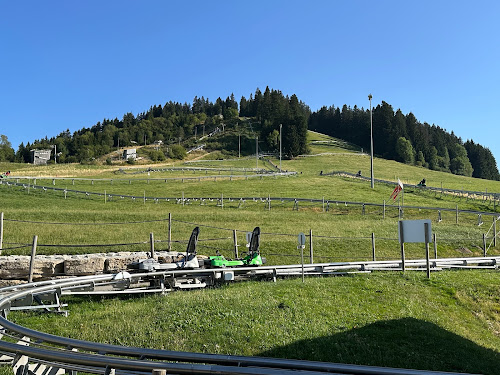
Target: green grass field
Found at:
449, 323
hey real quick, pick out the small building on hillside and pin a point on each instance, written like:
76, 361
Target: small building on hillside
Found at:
40, 157
130, 154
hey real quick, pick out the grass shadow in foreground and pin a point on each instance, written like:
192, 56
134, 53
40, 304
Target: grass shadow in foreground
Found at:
402, 343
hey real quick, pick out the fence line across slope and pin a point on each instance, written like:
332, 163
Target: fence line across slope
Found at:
281, 199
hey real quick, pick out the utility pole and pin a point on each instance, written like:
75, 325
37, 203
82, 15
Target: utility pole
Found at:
257, 150
371, 140
239, 145
280, 147
55, 153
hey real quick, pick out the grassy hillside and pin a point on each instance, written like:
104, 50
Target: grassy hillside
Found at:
347, 225
449, 323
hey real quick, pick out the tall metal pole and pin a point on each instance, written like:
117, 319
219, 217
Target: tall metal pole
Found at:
371, 140
239, 145
280, 147
55, 153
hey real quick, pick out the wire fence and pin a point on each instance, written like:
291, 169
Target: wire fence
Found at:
277, 247
215, 173
490, 197
268, 203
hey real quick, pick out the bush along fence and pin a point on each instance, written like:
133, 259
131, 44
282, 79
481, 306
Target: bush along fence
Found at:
277, 248
484, 196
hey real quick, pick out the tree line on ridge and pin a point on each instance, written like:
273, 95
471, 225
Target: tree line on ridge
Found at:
396, 136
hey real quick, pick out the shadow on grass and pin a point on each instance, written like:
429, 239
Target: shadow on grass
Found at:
403, 343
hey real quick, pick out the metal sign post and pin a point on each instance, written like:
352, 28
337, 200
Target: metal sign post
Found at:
427, 240
302, 246
415, 231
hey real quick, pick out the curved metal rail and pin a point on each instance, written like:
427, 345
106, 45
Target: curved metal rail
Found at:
41, 353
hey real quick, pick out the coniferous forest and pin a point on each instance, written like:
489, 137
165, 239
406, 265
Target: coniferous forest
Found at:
403, 138
396, 136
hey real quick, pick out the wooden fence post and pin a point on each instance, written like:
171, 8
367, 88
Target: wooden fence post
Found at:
373, 247
494, 232
456, 215
235, 241
302, 261
169, 231
1, 232
311, 246
435, 246
152, 244
484, 244
402, 242
427, 261
384, 210
32, 262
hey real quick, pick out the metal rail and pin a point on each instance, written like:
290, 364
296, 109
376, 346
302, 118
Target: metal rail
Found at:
78, 355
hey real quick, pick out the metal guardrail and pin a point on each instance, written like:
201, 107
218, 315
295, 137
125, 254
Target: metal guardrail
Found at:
78, 355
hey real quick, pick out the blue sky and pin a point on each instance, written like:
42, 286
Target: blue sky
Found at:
70, 64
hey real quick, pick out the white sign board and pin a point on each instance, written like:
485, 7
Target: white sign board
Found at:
302, 239
413, 231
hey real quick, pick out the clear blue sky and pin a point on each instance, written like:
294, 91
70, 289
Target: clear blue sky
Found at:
69, 64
